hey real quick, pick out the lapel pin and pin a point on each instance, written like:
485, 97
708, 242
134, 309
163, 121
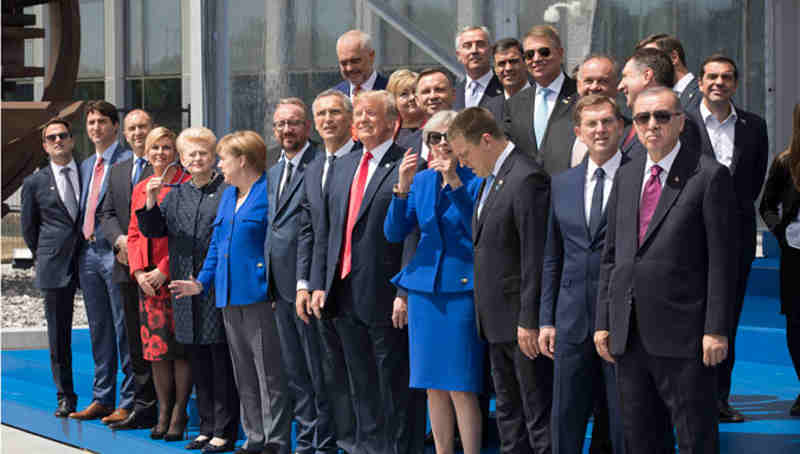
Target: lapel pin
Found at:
52, 188
499, 183
211, 195
387, 165
677, 179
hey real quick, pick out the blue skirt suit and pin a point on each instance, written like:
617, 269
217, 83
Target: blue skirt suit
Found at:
444, 348
234, 267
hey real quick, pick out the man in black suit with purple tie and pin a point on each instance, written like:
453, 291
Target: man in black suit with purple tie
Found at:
50, 218
666, 291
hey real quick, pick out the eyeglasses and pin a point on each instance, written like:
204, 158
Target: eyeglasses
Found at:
662, 117
61, 135
435, 138
289, 123
544, 52
183, 172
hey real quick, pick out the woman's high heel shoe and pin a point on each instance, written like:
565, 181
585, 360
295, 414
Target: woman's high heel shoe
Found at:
177, 430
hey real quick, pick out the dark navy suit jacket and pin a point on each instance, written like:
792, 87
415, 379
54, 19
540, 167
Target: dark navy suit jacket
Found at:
380, 84
443, 261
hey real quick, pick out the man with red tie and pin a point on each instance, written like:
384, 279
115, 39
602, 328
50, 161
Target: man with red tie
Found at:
665, 297
350, 274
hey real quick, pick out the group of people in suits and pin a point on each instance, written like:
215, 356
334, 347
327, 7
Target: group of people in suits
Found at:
516, 219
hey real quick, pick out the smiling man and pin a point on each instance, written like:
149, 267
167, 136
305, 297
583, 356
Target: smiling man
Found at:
473, 49
435, 93
356, 58
541, 112
738, 140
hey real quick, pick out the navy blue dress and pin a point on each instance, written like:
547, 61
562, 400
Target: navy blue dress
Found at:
444, 348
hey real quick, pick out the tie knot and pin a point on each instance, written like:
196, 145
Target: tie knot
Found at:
599, 173
65, 170
544, 91
655, 171
99, 161
331, 158
367, 155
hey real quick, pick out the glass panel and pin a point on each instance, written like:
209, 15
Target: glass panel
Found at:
330, 20
92, 62
162, 98
135, 39
247, 29
23, 91
154, 34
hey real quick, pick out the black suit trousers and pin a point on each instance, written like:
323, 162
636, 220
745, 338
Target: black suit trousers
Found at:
58, 310
144, 393
524, 389
217, 398
651, 387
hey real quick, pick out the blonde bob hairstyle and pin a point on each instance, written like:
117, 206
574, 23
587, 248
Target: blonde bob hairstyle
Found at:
198, 135
400, 80
248, 144
157, 134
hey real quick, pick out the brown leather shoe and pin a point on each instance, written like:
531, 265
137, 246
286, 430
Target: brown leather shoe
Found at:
120, 414
93, 411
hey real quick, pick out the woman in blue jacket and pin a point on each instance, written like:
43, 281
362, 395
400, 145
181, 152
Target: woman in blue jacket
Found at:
446, 354
234, 266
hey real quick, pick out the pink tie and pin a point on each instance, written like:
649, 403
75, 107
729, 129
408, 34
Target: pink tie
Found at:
652, 191
94, 194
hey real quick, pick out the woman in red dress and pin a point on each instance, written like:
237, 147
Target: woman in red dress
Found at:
149, 265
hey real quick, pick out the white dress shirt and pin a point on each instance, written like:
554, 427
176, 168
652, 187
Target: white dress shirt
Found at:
295, 163
107, 153
722, 135
61, 181
555, 87
610, 168
377, 155
681, 85
366, 86
483, 83
665, 163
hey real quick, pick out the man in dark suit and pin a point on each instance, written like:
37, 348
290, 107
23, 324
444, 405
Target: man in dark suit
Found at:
667, 283
473, 46
299, 341
508, 233
576, 232
435, 93
114, 216
51, 229
686, 85
738, 140
356, 57
537, 119
509, 66
352, 265
104, 304
333, 118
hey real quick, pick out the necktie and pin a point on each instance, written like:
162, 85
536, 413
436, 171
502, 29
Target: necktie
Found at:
540, 115
70, 200
356, 195
356, 91
287, 177
327, 170
652, 191
487, 188
596, 212
94, 194
472, 100
139, 165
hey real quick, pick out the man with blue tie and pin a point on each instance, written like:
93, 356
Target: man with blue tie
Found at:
114, 216
300, 347
104, 307
50, 227
576, 234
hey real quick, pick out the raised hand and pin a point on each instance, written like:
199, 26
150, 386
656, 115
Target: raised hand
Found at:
408, 168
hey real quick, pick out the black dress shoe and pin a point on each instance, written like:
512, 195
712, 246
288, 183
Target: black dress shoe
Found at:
197, 444
136, 420
729, 414
228, 446
247, 451
795, 410
65, 407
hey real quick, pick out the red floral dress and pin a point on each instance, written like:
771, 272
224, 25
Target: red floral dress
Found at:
155, 312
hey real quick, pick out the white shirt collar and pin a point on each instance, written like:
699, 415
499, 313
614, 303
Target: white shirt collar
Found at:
609, 167
56, 168
706, 114
380, 150
344, 149
555, 85
527, 84
665, 163
483, 80
297, 157
367, 85
683, 83
502, 158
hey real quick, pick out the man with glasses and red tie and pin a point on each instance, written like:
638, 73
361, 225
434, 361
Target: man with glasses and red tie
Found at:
665, 297
104, 304
50, 226
353, 263
537, 119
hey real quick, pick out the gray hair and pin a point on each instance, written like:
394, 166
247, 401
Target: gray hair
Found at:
470, 28
439, 120
348, 105
365, 40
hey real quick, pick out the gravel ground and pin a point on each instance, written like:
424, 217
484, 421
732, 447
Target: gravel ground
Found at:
23, 304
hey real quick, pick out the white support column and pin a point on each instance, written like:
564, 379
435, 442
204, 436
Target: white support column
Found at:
39, 45
114, 44
192, 60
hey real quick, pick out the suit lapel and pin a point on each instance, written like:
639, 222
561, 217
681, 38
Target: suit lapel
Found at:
493, 89
126, 168
297, 177
384, 168
577, 195
347, 171
739, 148
273, 183
54, 189
497, 187
682, 168
630, 194
530, 94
